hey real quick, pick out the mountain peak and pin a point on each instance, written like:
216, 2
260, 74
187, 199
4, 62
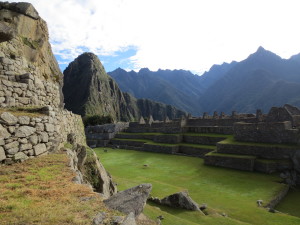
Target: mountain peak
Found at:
144, 70
261, 49
262, 53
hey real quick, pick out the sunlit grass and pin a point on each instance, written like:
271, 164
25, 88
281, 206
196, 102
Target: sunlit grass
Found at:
40, 191
226, 191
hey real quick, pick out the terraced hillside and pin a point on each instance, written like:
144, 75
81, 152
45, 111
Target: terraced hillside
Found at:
217, 149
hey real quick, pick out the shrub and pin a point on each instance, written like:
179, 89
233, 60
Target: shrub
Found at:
97, 120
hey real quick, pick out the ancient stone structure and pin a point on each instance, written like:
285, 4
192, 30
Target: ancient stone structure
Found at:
24, 137
100, 135
32, 120
29, 74
262, 142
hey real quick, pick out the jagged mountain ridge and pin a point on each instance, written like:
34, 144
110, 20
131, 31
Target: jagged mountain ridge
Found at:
177, 87
88, 90
260, 81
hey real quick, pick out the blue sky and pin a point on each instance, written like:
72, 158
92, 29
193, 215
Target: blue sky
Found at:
110, 62
170, 34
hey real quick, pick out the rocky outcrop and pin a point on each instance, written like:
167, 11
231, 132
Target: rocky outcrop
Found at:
94, 173
29, 73
178, 200
88, 90
130, 200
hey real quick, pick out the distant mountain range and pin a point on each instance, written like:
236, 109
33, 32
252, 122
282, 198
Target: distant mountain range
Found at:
88, 90
261, 81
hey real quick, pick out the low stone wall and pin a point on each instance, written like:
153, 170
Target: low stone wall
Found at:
135, 136
160, 148
193, 151
271, 167
100, 135
275, 201
265, 152
171, 139
210, 129
23, 137
200, 122
232, 162
117, 142
203, 140
166, 130
271, 132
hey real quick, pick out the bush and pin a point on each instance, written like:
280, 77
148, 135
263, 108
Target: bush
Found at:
97, 120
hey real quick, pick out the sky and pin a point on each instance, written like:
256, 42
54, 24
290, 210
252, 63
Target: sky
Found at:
170, 34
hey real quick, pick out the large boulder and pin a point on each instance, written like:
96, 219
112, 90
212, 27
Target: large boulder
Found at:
131, 200
180, 200
95, 173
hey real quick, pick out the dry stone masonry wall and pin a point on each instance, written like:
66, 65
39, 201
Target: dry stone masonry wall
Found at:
23, 137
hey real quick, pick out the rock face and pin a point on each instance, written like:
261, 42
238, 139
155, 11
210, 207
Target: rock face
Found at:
28, 70
88, 90
95, 173
179, 200
130, 200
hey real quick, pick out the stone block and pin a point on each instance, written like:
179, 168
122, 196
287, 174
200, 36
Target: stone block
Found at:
4, 133
39, 149
24, 120
20, 156
24, 100
33, 139
23, 141
2, 154
25, 131
40, 127
44, 137
11, 129
13, 151
2, 99
8, 118
2, 142
24, 147
13, 144
49, 127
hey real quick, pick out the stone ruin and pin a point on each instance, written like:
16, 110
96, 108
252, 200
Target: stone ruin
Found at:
32, 119
260, 142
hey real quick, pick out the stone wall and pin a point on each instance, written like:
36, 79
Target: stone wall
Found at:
230, 161
203, 140
170, 139
264, 152
198, 122
269, 132
30, 135
100, 135
29, 73
27, 90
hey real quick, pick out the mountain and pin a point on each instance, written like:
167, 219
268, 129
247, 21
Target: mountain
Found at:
88, 90
179, 88
262, 80
215, 73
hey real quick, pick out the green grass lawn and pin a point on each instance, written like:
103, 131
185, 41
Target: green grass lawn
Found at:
223, 190
291, 203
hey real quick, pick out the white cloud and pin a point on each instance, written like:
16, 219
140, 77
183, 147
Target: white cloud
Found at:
173, 34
